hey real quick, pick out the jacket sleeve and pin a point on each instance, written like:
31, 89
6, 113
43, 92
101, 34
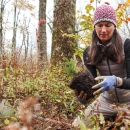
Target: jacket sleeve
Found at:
126, 81
91, 68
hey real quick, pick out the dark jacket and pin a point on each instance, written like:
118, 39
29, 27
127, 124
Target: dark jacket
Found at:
107, 67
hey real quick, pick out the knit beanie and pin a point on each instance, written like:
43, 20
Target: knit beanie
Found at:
104, 13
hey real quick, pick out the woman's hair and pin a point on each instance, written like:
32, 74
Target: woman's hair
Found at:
114, 52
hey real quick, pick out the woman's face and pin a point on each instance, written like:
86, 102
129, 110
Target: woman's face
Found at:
104, 31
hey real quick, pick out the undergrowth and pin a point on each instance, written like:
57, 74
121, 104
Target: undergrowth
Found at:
20, 81
40, 99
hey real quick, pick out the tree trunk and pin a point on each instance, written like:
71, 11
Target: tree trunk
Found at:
42, 44
14, 30
1, 27
64, 20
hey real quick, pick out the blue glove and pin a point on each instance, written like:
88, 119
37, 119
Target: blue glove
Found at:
107, 83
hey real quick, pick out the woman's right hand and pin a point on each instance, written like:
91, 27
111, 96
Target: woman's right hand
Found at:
81, 97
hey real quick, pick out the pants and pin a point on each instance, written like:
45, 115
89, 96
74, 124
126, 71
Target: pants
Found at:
106, 107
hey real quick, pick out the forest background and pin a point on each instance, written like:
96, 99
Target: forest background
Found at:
41, 45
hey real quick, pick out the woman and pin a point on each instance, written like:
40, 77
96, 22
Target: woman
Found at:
109, 55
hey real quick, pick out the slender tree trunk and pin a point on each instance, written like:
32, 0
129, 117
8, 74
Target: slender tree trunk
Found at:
14, 29
64, 20
27, 45
1, 27
42, 43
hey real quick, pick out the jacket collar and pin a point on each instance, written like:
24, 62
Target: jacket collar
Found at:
99, 44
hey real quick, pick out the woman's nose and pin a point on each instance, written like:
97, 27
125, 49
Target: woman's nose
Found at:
103, 29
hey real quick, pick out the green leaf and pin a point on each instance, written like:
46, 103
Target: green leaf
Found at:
82, 23
101, 117
72, 108
82, 125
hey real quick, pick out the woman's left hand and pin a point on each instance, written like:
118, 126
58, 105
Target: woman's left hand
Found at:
81, 97
107, 83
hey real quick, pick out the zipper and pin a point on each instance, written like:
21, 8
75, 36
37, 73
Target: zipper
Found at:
111, 74
109, 66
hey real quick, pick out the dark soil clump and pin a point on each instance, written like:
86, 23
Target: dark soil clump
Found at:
83, 81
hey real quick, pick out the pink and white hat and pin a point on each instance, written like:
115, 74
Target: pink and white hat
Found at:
104, 13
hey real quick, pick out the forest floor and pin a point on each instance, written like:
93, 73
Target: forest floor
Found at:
36, 99
46, 117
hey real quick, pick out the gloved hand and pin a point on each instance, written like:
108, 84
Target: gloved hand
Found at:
107, 83
81, 97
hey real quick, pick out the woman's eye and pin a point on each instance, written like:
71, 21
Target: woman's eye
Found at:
99, 25
108, 25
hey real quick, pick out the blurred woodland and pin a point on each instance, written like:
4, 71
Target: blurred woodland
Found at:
34, 90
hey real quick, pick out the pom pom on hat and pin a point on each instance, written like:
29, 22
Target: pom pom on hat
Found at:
105, 13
